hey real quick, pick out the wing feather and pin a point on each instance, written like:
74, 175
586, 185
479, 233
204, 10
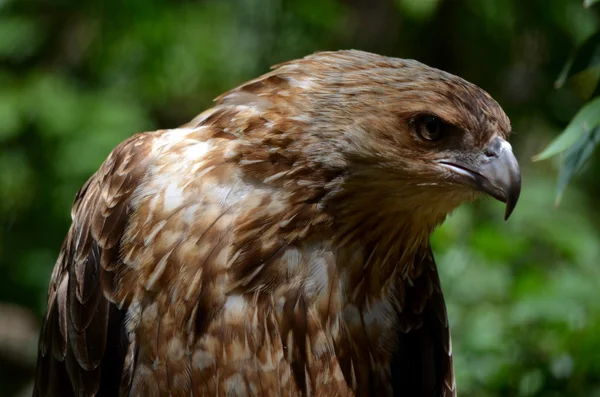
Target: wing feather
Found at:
422, 365
81, 319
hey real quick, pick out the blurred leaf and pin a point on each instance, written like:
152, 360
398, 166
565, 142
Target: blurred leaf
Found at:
10, 115
15, 181
596, 90
108, 121
531, 383
587, 56
562, 366
576, 156
54, 103
589, 3
19, 37
496, 244
323, 13
587, 118
498, 14
418, 9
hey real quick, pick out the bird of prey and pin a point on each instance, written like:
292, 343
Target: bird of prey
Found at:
277, 244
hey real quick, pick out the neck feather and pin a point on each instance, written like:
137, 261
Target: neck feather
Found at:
391, 222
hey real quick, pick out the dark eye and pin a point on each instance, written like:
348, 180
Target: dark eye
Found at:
429, 128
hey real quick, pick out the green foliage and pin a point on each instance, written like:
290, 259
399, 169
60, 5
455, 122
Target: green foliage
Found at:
589, 3
580, 138
576, 156
586, 57
587, 119
520, 296
79, 77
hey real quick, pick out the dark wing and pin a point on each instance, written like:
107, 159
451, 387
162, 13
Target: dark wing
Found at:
80, 321
422, 366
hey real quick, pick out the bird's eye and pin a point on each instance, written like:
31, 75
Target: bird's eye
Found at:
429, 128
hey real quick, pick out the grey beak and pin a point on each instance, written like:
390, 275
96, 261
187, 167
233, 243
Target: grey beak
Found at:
501, 175
497, 173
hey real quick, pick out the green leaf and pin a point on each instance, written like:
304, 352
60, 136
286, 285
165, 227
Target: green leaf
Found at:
587, 56
588, 118
589, 3
576, 157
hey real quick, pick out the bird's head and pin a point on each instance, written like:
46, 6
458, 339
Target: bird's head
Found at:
407, 135
399, 142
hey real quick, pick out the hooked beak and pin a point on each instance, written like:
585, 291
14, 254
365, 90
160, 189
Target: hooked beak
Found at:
495, 172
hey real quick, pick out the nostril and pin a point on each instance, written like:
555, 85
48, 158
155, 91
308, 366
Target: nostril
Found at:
490, 153
494, 148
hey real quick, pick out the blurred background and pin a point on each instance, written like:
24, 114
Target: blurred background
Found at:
78, 77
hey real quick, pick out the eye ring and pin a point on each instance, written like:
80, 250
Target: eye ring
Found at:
429, 128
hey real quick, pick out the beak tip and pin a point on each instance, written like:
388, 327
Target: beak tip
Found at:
508, 212
512, 198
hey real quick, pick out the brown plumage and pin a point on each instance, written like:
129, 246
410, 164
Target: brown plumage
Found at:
278, 244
